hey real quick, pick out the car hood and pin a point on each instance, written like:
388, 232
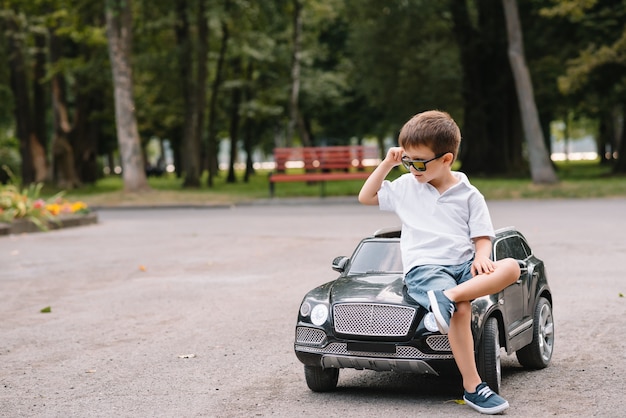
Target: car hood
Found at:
385, 288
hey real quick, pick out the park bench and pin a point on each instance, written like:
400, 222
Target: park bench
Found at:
321, 164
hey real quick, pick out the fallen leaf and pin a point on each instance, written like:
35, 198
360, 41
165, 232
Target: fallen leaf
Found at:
187, 356
459, 401
47, 309
142, 268
621, 295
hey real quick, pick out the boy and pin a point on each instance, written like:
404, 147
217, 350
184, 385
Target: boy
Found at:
446, 238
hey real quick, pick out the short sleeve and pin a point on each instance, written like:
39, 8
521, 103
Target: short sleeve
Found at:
479, 220
386, 201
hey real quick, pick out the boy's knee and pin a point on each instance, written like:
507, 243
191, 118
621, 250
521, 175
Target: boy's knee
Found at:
514, 267
511, 266
463, 308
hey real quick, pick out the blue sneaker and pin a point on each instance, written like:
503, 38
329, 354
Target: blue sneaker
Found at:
485, 400
442, 308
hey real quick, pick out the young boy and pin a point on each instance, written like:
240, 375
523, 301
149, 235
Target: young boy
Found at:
446, 238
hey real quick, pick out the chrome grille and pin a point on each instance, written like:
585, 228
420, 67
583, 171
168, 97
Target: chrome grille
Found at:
407, 352
373, 319
438, 343
306, 335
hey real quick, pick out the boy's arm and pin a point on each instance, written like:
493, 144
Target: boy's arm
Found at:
369, 192
482, 258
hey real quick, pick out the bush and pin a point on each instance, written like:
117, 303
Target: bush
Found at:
16, 203
9, 159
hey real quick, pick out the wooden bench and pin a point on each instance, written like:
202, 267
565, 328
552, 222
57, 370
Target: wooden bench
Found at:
321, 164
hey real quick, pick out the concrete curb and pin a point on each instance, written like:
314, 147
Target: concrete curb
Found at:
21, 226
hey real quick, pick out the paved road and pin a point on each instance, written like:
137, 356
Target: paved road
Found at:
132, 294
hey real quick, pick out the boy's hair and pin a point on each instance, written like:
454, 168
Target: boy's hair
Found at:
434, 129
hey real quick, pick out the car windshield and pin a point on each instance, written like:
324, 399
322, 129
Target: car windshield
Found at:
377, 257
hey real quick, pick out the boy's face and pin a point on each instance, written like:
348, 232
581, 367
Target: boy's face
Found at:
434, 166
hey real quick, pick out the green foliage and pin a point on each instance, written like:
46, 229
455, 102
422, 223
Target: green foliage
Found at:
9, 158
405, 58
367, 66
603, 46
24, 204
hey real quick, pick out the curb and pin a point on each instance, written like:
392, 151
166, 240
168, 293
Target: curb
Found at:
21, 226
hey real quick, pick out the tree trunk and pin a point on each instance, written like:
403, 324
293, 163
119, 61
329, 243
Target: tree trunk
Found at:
119, 35
620, 164
248, 126
295, 120
190, 148
475, 136
19, 88
212, 148
489, 124
201, 76
234, 122
541, 169
38, 145
62, 151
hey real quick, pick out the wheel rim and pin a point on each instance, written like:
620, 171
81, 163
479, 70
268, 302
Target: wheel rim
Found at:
546, 332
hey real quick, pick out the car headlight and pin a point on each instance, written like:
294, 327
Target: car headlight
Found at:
430, 322
305, 309
319, 314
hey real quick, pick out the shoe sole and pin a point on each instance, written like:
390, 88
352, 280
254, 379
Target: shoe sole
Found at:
434, 307
489, 411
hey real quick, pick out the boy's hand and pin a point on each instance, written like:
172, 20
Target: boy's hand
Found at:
482, 265
394, 156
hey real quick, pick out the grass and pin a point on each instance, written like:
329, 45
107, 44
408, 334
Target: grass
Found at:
577, 180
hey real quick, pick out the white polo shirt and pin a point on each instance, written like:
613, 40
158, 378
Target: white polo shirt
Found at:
436, 228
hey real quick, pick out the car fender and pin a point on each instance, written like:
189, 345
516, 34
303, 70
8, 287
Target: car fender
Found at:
483, 309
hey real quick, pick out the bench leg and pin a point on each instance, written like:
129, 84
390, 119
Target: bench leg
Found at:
271, 188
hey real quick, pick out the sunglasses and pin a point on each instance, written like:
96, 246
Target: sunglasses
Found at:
418, 165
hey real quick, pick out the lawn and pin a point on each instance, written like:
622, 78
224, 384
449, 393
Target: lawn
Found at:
577, 180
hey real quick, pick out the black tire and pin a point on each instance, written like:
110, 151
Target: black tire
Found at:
489, 355
538, 353
321, 380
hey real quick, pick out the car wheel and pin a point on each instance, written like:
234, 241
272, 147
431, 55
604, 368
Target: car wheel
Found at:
489, 355
321, 380
538, 353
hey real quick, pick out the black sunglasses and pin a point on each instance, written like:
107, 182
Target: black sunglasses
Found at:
418, 165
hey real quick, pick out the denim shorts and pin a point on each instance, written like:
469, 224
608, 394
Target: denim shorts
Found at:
421, 279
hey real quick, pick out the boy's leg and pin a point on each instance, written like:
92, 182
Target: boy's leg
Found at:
462, 344
507, 272
477, 394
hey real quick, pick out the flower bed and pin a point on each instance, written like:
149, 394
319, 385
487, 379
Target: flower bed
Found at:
22, 210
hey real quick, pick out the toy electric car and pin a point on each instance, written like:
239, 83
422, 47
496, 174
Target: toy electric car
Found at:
365, 319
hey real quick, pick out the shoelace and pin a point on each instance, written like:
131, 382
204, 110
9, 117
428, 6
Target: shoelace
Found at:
485, 392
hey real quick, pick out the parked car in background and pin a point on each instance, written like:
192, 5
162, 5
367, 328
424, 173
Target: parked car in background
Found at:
365, 319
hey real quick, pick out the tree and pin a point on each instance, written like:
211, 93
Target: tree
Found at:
596, 76
295, 116
119, 33
541, 168
19, 86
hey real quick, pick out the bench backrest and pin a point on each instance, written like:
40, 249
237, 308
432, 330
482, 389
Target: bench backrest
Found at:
341, 157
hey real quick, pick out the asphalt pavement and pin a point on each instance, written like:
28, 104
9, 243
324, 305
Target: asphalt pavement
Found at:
184, 312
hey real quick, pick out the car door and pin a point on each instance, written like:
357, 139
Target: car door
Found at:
515, 297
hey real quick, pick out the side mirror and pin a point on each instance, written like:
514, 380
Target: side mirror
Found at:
339, 263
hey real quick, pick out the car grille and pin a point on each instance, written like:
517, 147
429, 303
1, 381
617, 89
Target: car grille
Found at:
372, 319
306, 335
438, 343
407, 352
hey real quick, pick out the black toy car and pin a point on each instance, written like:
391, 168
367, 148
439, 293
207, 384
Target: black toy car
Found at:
365, 319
